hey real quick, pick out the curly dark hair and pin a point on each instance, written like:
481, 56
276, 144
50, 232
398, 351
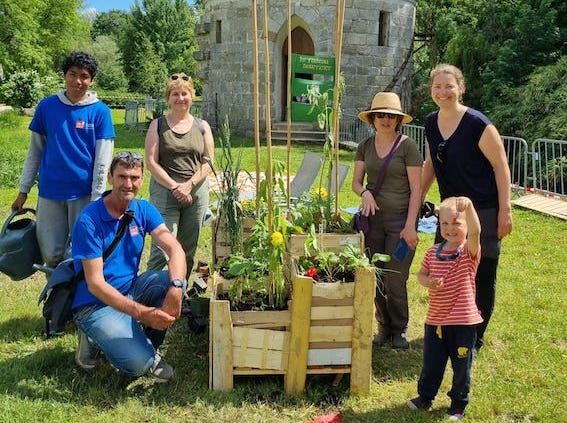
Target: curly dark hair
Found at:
81, 60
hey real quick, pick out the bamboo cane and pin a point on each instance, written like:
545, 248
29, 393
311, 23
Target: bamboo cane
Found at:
338, 47
268, 117
288, 113
256, 99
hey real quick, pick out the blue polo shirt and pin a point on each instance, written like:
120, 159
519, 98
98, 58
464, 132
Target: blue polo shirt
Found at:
93, 233
70, 131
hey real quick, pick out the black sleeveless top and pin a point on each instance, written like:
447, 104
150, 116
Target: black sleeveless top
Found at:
464, 170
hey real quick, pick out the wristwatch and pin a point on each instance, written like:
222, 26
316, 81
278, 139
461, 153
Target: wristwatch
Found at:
178, 283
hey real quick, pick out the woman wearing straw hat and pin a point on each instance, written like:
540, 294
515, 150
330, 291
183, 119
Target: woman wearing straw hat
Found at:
391, 199
179, 151
467, 157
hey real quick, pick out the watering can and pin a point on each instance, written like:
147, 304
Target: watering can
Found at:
19, 250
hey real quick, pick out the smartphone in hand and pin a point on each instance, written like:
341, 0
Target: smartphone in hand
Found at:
401, 251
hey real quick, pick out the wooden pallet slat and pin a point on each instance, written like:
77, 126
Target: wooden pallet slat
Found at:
294, 381
329, 356
330, 334
221, 331
333, 312
295, 245
362, 332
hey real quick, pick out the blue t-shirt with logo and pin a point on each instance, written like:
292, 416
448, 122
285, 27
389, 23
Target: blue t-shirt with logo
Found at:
93, 233
66, 168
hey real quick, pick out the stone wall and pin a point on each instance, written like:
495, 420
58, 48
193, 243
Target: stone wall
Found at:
227, 66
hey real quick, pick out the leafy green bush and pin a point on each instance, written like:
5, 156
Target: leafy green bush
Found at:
25, 88
22, 89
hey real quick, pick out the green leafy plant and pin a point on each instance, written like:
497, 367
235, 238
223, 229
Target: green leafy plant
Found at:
330, 267
229, 207
320, 104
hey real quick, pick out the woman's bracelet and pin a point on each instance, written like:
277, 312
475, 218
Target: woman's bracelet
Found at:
174, 188
363, 191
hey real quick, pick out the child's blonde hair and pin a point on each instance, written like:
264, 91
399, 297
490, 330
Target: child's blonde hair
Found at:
448, 204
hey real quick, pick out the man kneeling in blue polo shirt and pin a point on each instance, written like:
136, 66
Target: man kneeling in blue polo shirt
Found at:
118, 312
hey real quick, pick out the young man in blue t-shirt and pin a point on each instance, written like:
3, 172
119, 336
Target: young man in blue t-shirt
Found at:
124, 314
72, 138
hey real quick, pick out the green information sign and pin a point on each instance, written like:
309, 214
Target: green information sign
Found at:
302, 66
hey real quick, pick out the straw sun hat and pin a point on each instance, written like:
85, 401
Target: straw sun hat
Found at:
385, 103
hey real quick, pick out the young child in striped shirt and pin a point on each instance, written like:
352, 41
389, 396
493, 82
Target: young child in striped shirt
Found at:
448, 271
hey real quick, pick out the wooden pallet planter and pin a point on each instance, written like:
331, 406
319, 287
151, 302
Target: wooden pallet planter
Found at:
338, 337
244, 342
327, 330
221, 240
334, 242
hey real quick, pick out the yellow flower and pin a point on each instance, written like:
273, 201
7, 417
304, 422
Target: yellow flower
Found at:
277, 239
323, 192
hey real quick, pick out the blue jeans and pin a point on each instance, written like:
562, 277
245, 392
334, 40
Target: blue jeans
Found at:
126, 344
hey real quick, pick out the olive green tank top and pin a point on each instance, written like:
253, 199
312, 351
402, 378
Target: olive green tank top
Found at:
180, 155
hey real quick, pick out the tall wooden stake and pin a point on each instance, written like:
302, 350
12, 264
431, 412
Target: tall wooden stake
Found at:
256, 99
338, 48
288, 113
268, 115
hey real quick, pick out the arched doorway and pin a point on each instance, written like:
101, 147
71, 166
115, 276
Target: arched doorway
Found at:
301, 43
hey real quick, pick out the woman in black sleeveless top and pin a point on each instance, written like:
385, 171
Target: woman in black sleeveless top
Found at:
467, 157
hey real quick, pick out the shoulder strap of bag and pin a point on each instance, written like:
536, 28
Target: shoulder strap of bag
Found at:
126, 219
382, 174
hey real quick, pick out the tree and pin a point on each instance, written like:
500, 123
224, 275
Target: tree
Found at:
110, 75
33, 37
539, 108
112, 23
159, 38
498, 45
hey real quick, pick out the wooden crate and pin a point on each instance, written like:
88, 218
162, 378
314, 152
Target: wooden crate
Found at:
221, 241
244, 342
295, 245
338, 337
328, 329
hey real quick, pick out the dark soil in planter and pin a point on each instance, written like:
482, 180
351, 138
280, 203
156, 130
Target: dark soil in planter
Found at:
250, 301
340, 277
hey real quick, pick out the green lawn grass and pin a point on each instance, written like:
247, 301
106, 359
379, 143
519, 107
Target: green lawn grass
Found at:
520, 376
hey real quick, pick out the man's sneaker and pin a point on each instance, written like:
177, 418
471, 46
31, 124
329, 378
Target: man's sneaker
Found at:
399, 341
455, 414
419, 403
160, 370
382, 339
86, 355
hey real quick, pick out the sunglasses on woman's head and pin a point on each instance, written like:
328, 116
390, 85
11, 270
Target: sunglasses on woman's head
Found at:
381, 115
176, 76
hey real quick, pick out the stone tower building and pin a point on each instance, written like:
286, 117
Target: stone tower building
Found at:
377, 40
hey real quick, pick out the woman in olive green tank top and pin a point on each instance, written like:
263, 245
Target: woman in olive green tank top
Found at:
179, 148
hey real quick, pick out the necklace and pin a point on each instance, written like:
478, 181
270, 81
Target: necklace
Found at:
447, 257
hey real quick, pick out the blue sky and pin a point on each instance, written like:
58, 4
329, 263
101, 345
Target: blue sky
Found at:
106, 5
